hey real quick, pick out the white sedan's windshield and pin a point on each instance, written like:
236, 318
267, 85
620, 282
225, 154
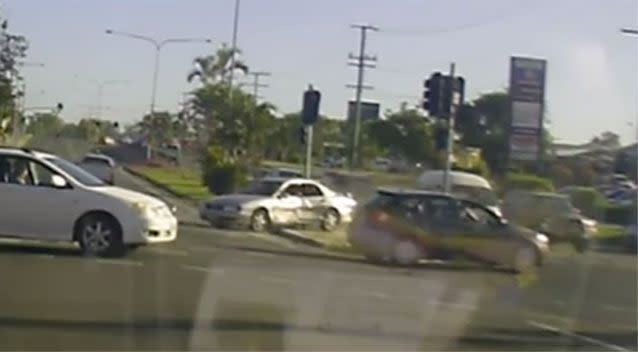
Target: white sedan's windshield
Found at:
76, 172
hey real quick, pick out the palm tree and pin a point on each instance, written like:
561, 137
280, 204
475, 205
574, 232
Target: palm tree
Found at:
217, 67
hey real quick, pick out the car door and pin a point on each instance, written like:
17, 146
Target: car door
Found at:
482, 234
33, 207
314, 202
288, 204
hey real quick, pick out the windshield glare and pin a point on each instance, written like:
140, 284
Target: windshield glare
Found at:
76, 172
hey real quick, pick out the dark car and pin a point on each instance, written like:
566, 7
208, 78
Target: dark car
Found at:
408, 225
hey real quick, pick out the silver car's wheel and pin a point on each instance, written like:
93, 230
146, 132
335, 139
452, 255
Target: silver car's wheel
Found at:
99, 236
330, 220
259, 221
406, 253
525, 260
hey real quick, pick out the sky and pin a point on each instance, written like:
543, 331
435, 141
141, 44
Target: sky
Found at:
592, 77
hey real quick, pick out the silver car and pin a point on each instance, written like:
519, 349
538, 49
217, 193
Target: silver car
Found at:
100, 166
276, 201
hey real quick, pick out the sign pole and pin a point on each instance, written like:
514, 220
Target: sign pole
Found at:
450, 133
307, 167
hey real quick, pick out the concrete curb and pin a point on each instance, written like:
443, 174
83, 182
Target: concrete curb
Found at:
298, 237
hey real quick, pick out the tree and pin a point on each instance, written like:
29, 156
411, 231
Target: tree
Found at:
484, 123
45, 124
216, 68
12, 48
405, 133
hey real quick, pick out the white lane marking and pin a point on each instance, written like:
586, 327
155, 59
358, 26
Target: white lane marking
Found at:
576, 336
203, 269
122, 262
613, 308
261, 254
453, 305
167, 251
373, 294
276, 279
45, 256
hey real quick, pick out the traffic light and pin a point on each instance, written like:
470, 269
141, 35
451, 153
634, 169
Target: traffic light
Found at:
432, 94
440, 138
303, 135
310, 112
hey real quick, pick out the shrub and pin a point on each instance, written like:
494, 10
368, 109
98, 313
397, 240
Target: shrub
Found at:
528, 182
222, 174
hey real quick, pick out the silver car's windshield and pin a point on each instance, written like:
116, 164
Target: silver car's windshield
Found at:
262, 188
76, 172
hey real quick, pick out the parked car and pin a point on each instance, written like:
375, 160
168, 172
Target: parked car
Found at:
462, 184
406, 226
277, 172
100, 166
46, 197
551, 213
280, 201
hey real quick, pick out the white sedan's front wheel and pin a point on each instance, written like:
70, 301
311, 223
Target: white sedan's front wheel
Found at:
100, 235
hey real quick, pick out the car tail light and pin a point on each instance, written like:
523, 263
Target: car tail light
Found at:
379, 217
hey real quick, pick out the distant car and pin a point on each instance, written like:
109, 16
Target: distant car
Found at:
280, 202
551, 213
406, 226
462, 184
278, 172
100, 166
45, 197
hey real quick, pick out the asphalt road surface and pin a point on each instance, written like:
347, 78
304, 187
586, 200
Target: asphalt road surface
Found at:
233, 290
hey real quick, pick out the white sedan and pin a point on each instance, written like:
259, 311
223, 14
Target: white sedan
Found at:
280, 202
45, 197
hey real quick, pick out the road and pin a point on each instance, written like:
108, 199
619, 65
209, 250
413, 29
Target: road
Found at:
236, 290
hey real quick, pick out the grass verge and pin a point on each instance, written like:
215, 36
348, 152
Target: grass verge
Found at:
182, 181
609, 230
335, 240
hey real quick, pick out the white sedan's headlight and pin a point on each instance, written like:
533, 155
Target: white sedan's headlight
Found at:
542, 237
141, 208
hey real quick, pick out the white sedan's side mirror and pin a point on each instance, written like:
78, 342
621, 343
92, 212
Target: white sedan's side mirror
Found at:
58, 181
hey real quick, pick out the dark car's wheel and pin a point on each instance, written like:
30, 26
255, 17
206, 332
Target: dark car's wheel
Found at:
260, 221
525, 260
100, 235
581, 244
330, 220
407, 253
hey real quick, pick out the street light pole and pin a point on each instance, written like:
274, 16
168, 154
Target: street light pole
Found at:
234, 44
158, 45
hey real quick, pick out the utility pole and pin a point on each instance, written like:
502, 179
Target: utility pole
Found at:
454, 105
362, 62
256, 84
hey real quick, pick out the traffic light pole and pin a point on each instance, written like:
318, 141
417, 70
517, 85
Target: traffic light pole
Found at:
308, 164
450, 135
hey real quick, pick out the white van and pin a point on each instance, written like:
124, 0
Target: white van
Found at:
462, 184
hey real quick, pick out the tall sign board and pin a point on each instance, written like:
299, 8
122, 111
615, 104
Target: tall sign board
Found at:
527, 92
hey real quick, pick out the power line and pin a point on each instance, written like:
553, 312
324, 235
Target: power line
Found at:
363, 61
256, 84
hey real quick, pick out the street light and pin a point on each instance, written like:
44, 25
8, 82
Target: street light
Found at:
158, 45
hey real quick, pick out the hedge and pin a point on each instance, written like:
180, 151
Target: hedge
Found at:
528, 182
